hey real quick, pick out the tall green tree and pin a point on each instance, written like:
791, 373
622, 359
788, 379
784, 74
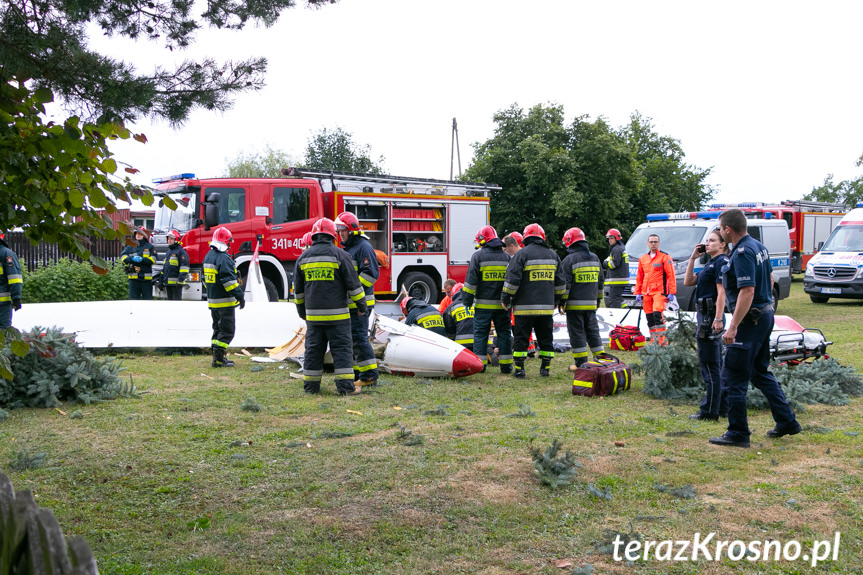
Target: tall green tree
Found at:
46, 41
848, 192
336, 150
586, 174
265, 164
666, 182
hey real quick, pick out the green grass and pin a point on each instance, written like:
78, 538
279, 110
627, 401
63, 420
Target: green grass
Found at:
183, 480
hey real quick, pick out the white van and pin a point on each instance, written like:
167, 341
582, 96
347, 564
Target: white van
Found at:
837, 269
679, 232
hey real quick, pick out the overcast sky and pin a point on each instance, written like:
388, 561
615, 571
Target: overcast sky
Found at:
768, 94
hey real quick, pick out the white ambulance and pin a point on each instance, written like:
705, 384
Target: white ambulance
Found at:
837, 269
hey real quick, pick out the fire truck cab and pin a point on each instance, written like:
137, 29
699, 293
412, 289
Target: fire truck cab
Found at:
422, 229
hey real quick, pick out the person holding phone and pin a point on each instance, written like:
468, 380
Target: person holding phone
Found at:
710, 317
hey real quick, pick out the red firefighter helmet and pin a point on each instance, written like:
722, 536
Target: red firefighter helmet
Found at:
534, 230
572, 235
223, 235
519, 239
2, 235
404, 304
349, 221
306, 240
485, 234
324, 226
455, 289
174, 234
143, 231
613, 233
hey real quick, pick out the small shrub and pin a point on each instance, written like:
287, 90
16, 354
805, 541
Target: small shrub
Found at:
672, 371
552, 470
56, 369
251, 404
69, 280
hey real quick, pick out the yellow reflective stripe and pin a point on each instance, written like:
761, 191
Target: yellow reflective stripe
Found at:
220, 343
229, 287
463, 341
362, 368
616, 282
534, 312
224, 304
319, 265
10, 280
541, 267
328, 317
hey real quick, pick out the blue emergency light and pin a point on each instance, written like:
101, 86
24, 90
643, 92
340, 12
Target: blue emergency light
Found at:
683, 216
174, 178
860, 204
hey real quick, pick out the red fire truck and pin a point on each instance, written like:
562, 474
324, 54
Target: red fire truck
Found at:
809, 224
422, 228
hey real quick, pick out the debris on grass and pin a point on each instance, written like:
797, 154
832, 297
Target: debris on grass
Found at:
251, 404
256, 368
680, 433
439, 410
523, 411
683, 492
25, 460
407, 437
333, 434
585, 569
604, 493
609, 536
551, 469
819, 429
77, 414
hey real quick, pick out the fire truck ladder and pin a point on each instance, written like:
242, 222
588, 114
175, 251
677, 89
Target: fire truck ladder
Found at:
385, 183
816, 206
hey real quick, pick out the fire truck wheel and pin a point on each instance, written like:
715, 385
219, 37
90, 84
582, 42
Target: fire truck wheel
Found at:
421, 287
272, 292
775, 298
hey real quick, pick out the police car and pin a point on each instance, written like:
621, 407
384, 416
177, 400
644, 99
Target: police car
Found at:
680, 232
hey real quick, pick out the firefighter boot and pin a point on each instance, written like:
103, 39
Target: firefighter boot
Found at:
519, 368
543, 368
220, 357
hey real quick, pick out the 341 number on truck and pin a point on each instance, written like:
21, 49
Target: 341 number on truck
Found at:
422, 228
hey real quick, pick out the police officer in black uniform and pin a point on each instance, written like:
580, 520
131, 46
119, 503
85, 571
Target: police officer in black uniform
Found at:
418, 312
224, 294
534, 286
139, 260
176, 267
747, 282
581, 268
482, 288
324, 282
616, 269
365, 263
11, 282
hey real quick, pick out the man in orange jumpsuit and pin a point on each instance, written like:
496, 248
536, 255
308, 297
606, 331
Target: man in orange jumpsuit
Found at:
655, 286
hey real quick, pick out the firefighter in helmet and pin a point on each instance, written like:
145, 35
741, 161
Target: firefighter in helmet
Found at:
512, 242
324, 282
581, 270
365, 262
224, 294
138, 260
482, 288
11, 282
418, 312
534, 286
176, 267
616, 269
306, 241
458, 319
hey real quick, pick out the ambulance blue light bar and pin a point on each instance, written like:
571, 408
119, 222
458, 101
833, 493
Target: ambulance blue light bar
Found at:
740, 205
174, 178
683, 216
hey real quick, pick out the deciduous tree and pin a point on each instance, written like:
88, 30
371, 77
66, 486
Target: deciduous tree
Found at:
336, 150
266, 164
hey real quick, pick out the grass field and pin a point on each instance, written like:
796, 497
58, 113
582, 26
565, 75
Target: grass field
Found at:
431, 476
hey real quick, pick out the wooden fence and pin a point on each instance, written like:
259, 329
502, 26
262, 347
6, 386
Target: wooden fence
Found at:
43, 254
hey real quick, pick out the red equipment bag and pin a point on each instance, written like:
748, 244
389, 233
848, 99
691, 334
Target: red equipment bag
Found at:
627, 337
605, 375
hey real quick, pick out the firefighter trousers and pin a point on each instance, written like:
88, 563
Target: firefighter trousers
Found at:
543, 326
583, 334
614, 299
140, 289
224, 325
174, 292
365, 364
482, 320
338, 335
5, 314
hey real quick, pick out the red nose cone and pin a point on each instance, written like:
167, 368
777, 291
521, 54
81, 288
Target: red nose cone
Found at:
466, 363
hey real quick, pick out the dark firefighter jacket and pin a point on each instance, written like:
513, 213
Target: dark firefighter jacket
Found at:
142, 270
324, 282
220, 277
176, 266
366, 265
534, 283
424, 315
581, 268
11, 280
458, 320
485, 276
617, 266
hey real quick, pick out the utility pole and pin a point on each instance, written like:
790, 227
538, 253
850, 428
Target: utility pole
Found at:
454, 149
